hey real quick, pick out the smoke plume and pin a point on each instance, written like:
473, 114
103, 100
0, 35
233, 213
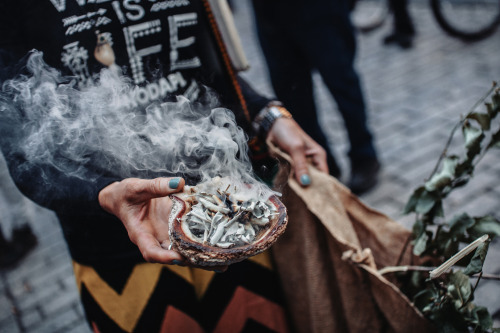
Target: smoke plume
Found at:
52, 123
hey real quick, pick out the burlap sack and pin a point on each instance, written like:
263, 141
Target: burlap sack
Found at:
329, 256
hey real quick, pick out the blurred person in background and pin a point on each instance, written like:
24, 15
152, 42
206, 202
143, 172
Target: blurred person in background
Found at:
403, 28
299, 37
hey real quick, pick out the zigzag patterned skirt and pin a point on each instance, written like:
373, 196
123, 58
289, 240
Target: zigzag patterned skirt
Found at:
161, 298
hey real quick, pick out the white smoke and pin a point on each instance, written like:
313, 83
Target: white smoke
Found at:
70, 129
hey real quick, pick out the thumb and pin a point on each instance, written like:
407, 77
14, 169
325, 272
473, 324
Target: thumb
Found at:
145, 189
300, 165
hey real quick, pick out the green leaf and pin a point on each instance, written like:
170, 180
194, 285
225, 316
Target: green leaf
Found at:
473, 137
438, 210
425, 299
416, 282
426, 201
421, 244
445, 245
496, 101
485, 225
461, 182
490, 110
483, 119
450, 248
412, 202
477, 261
482, 317
464, 168
495, 140
459, 225
458, 220
418, 228
454, 294
462, 289
449, 320
444, 176
493, 108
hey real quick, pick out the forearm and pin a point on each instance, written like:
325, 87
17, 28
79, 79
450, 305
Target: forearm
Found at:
53, 189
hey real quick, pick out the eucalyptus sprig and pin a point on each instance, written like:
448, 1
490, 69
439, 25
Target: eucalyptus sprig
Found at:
446, 298
433, 235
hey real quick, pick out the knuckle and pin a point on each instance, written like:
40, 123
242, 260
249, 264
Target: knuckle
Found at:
300, 167
146, 254
131, 186
155, 186
297, 145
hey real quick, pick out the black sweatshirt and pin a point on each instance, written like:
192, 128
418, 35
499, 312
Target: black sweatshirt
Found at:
166, 47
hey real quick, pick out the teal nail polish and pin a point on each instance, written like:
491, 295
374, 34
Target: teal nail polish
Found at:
305, 180
178, 262
174, 182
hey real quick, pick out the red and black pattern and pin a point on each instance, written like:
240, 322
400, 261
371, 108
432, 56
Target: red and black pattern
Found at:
245, 298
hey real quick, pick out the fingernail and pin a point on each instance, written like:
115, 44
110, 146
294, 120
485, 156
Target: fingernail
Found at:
174, 182
305, 180
178, 262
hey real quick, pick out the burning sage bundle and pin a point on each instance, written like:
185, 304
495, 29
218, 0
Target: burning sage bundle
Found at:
218, 223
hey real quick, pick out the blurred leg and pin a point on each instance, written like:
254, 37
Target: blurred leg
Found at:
290, 75
403, 29
332, 52
402, 20
327, 36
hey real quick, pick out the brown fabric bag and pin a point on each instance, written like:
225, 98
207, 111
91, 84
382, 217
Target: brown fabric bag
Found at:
329, 256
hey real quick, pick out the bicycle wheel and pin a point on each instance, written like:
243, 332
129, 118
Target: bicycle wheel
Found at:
368, 15
467, 19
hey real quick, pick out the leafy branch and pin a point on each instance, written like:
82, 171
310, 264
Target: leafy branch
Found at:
446, 299
434, 236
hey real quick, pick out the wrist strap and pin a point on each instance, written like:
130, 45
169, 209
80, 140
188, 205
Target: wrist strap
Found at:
266, 118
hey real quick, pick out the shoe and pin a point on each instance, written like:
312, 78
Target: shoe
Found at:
405, 40
23, 241
364, 176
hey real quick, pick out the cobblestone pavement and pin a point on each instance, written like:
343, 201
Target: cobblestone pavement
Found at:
414, 96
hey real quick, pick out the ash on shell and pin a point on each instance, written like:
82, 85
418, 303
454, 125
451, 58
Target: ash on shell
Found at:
219, 222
